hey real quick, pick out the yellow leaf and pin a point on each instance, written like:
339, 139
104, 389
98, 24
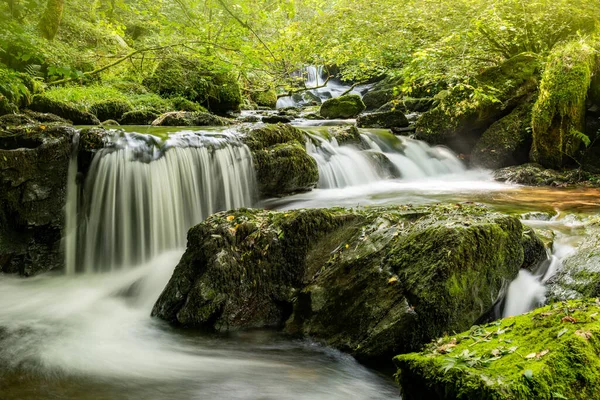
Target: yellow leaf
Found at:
392, 280
42, 127
347, 245
230, 218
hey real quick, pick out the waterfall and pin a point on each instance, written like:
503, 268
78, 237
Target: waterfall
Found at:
142, 194
379, 156
70, 234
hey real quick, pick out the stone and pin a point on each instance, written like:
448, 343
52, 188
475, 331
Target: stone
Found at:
343, 107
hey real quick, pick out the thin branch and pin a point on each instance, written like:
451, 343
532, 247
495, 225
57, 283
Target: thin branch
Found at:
304, 89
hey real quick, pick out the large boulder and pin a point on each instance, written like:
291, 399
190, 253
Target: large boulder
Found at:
536, 175
550, 353
267, 98
507, 142
342, 107
280, 160
381, 93
373, 282
6, 107
186, 118
110, 109
462, 114
139, 117
33, 184
43, 104
385, 119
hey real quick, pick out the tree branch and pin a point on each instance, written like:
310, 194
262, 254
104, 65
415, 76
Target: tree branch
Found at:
304, 89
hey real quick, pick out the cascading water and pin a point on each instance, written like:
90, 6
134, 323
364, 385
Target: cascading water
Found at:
142, 194
380, 155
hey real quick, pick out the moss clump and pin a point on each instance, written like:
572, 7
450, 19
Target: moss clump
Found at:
110, 109
386, 119
348, 106
139, 117
280, 159
183, 104
558, 119
7, 107
381, 93
551, 353
464, 113
507, 142
346, 135
44, 104
536, 175
265, 98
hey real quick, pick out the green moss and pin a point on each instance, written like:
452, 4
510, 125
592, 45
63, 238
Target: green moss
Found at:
348, 106
183, 104
110, 109
550, 353
7, 107
559, 114
44, 104
51, 18
186, 118
139, 117
386, 119
271, 135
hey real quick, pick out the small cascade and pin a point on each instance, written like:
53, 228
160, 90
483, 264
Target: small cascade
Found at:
142, 194
379, 156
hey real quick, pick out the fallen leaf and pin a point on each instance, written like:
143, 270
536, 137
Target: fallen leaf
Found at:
542, 353
568, 318
530, 356
584, 334
392, 280
562, 332
230, 218
528, 374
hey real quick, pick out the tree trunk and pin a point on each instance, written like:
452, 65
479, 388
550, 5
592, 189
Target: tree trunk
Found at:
50, 21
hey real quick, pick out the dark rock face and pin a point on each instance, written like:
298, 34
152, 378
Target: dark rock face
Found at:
386, 119
44, 104
381, 93
275, 119
374, 283
186, 118
33, 182
460, 118
342, 107
139, 117
280, 160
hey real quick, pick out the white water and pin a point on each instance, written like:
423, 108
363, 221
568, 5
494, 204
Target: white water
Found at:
347, 165
142, 196
315, 77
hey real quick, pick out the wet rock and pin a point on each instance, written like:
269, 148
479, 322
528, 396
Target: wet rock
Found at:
33, 181
265, 98
43, 104
550, 353
185, 118
110, 122
386, 119
536, 175
7, 107
11, 120
342, 107
139, 117
275, 119
373, 282
381, 93
409, 104
46, 118
306, 98
346, 135
110, 109
280, 159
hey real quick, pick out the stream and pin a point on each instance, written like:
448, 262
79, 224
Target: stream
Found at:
88, 334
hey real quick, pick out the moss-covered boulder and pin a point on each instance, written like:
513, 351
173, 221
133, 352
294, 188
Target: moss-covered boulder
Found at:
6, 107
139, 117
385, 119
194, 80
183, 104
110, 109
46, 118
275, 119
409, 104
185, 118
342, 107
33, 183
463, 114
372, 282
346, 135
44, 104
381, 93
306, 99
558, 118
507, 142
536, 175
550, 353
280, 160
266, 98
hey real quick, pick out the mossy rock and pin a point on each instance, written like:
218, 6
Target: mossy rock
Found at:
306, 99
12, 120
507, 142
461, 116
7, 107
46, 118
93, 139
373, 282
386, 119
346, 135
342, 107
381, 93
44, 104
558, 117
550, 353
275, 119
280, 160
409, 104
535, 175
183, 104
266, 98
224, 94
111, 109
185, 118
139, 117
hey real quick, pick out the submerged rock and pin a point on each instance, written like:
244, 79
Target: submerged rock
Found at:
550, 353
373, 282
342, 107
33, 182
280, 160
186, 118
43, 104
386, 119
